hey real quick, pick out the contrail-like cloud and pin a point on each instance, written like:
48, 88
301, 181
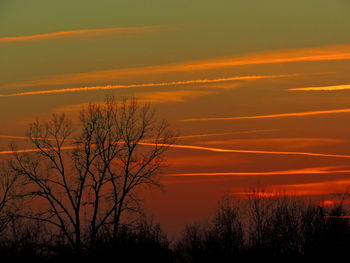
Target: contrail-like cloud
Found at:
211, 149
316, 170
110, 87
281, 115
84, 32
323, 53
221, 134
177, 137
27, 138
194, 147
324, 88
71, 147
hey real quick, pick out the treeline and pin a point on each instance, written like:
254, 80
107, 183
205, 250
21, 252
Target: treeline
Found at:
273, 227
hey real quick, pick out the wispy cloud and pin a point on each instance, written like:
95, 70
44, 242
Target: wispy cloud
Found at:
326, 53
324, 88
318, 188
128, 86
308, 189
269, 116
171, 96
177, 137
149, 97
6, 152
222, 150
84, 32
315, 170
290, 143
211, 149
221, 134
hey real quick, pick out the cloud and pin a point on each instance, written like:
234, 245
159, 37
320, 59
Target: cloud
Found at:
128, 86
324, 88
211, 149
292, 143
84, 32
6, 152
316, 170
315, 188
184, 161
148, 97
220, 134
170, 96
281, 115
326, 53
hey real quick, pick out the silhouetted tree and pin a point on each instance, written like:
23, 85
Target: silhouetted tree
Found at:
220, 240
87, 185
269, 226
10, 189
285, 228
260, 209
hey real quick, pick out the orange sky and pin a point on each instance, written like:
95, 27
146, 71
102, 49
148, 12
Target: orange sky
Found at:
258, 95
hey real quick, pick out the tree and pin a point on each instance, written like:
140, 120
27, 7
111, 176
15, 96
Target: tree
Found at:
84, 184
219, 240
9, 191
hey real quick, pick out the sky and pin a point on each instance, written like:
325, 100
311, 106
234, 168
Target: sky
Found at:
258, 90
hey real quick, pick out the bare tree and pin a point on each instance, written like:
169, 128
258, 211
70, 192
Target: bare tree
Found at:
84, 184
260, 208
218, 240
9, 188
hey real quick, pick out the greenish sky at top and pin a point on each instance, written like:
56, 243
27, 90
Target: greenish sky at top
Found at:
21, 17
208, 29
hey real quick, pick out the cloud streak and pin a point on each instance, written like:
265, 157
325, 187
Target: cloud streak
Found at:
316, 170
6, 152
270, 116
308, 189
212, 149
221, 134
128, 86
177, 137
324, 88
194, 147
79, 33
284, 143
329, 53
326, 53
151, 97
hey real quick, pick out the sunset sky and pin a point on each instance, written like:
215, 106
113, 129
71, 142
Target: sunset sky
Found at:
258, 90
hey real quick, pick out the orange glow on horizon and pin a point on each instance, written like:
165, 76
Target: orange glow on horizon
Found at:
336, 188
